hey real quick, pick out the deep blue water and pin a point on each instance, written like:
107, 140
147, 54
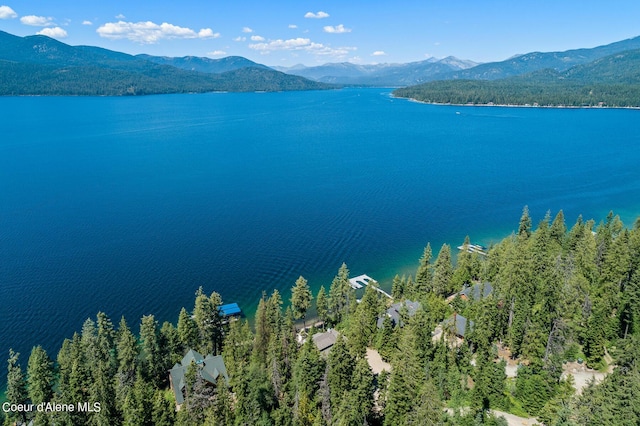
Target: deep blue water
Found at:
128, 205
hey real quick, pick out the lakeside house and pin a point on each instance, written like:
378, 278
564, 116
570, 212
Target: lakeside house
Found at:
456, 327
208, 368
475, 292
394, 312
324, 341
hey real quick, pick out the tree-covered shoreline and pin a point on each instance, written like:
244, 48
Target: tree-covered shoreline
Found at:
545, 296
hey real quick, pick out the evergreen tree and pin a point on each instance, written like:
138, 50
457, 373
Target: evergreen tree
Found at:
153, 366
163, 410
263, 332
397, 288
40, 376
443, 272
322, 306
341, 295
524, 229
187, 330
558, 229
340, 371
428, 407
363, 327
138, 405
424, 273
40, 381
16, 387
301, 299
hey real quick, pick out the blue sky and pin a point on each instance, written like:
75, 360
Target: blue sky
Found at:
316, 32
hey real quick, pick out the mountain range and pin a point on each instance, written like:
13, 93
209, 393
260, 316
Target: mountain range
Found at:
381, 74
39, 65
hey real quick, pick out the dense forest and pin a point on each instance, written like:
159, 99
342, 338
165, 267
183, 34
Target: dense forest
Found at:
36, 79
39, 65
549, 297
612, 81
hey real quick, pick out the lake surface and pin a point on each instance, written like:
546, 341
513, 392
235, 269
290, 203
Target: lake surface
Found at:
128, 205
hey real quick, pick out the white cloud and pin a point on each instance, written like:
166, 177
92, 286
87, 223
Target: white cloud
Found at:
217, 53
240, 39
120, 17
301, 44
257, 38
87, 23
318, 15
55, 32
207, 33
247, 30
7, 13
150, 32
379, 53
293, 26
36, 21
338, 29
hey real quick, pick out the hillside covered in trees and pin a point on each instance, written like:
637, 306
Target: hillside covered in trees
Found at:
557, 295
612, 81
40, 65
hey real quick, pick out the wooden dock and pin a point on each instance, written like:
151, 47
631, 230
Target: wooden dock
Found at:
364, 280
474, 248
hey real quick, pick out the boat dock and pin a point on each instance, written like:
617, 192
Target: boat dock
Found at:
363, 280
474, 248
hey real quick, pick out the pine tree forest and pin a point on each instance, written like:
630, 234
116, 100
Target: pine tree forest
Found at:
545, 325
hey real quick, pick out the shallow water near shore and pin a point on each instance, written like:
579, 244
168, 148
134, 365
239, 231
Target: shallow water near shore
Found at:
128, 205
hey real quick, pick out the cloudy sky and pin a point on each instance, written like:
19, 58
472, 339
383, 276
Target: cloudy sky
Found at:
315, 32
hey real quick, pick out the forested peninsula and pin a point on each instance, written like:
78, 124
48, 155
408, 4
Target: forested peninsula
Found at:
612, 81
513, 328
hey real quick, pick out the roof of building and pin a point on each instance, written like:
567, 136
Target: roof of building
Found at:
209, 368
394, 312
325, 340
457, 324
230, 309
477, 291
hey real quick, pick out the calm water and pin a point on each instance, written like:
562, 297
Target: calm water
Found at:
127, 205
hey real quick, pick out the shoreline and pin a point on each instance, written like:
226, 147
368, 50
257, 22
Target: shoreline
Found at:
515, 105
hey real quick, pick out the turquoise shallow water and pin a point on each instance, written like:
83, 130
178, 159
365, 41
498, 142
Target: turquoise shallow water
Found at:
127, 205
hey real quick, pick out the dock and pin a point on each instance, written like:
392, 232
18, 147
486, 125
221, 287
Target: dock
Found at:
230, 310
474, 248
364, 280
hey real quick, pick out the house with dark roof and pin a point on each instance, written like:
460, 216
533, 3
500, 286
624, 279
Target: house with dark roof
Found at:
394, 312
477, 291
209, 368
324, 341
457, 325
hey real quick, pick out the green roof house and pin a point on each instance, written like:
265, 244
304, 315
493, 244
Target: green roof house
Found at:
209, 369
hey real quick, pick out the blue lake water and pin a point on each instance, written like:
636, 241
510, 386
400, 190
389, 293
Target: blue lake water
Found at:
128, 205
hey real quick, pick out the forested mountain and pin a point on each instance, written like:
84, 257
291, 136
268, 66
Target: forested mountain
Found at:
610, 81
381, 74
452, 68
557, 297
208, 65
534, 61
39, 65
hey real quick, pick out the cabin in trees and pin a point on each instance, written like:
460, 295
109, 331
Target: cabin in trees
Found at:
394, 312
324, 341
208, 368
477, 291
456, 326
